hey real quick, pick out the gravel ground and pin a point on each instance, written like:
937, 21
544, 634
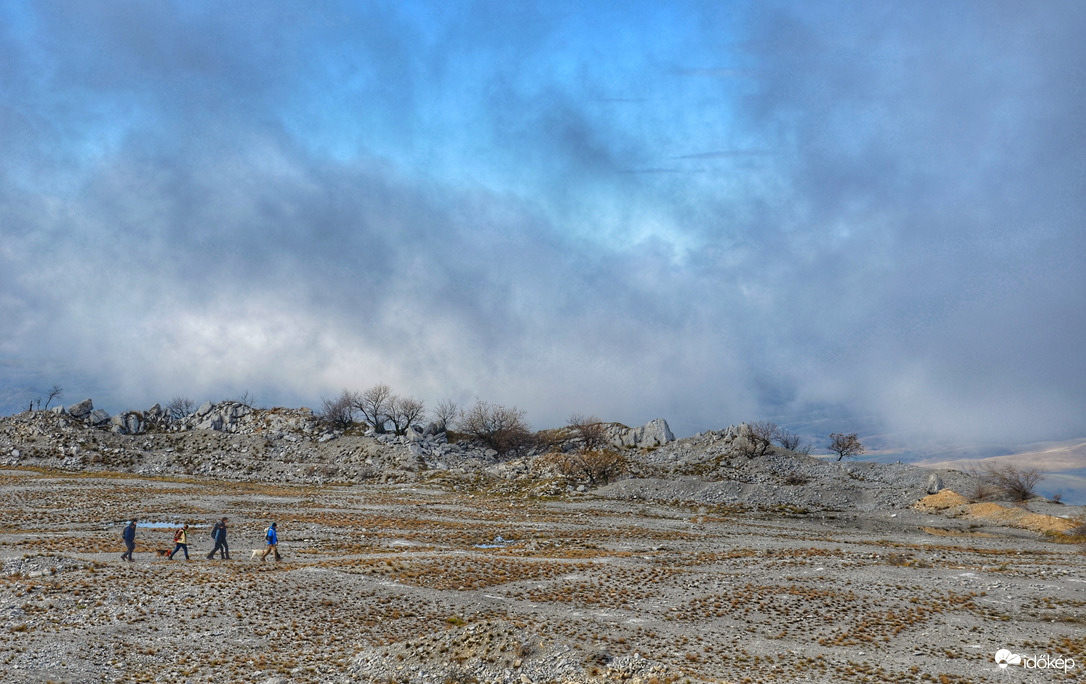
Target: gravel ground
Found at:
407, 583
417, 560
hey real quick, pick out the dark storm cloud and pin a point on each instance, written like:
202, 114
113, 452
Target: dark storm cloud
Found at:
875, 209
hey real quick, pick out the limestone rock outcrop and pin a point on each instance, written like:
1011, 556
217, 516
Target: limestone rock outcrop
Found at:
652, 434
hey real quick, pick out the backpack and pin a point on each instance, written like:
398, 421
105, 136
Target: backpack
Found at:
177, 535
215, 531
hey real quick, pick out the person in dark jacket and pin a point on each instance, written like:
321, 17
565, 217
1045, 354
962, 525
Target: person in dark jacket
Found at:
218, 533
272, 537
129, 536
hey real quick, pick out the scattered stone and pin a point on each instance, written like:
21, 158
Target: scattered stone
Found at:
935, 483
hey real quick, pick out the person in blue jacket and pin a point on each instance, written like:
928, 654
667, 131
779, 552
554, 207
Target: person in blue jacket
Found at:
129, 537
272, 537
218, 533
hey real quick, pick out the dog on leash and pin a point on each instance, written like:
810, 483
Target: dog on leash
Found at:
256, 552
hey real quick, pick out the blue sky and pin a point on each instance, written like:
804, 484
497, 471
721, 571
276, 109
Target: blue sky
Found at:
706, 211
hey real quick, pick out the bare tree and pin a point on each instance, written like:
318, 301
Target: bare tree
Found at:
500, 428
55, 393
179, 407
445, 414
845, 445
759, 440
338, 411
589, 430
404, 412
764, 432
375, 404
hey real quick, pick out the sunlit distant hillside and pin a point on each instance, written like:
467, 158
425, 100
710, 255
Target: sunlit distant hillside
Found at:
1064, 464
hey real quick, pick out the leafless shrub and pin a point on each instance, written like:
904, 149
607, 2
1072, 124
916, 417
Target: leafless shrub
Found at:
845, 446
247, 398
592, 467
796, 479
446, 414
179, 407
498, 427
338, 411
589, 430
1016, 483
984, 491
787, 439
404, 412
793, 442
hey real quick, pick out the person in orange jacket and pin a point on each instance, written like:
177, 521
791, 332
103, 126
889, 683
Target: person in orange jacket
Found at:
181, 536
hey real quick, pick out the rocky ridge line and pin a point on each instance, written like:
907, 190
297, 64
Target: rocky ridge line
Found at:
231, 440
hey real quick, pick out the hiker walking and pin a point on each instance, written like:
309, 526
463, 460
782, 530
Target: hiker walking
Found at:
129, 537
272, 538
181, 537
218, 533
